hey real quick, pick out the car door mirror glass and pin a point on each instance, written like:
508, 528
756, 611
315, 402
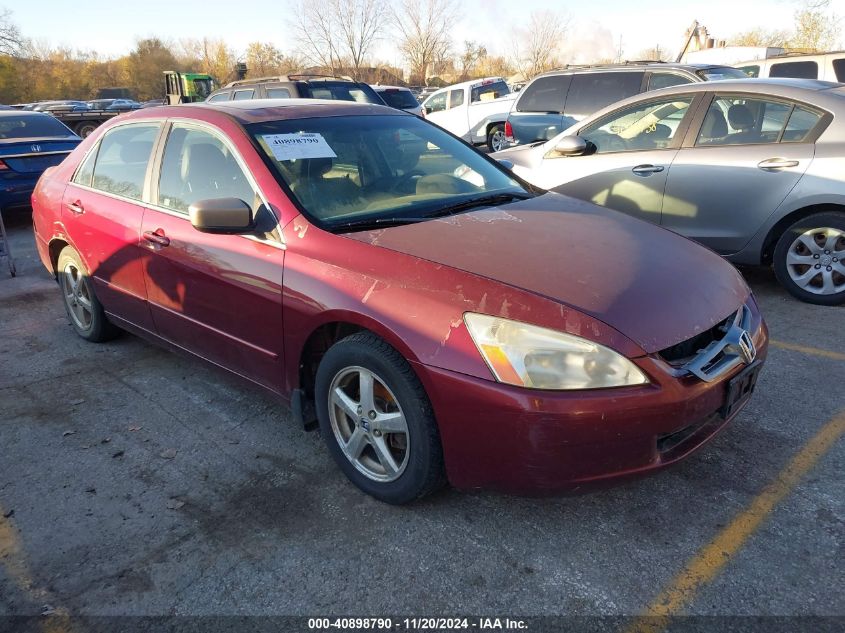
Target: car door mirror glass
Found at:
221, 215
568, 146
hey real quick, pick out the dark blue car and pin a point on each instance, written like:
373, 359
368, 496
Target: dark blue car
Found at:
30, 142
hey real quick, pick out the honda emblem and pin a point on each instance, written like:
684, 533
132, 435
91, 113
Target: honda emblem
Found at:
746, 348
35, 148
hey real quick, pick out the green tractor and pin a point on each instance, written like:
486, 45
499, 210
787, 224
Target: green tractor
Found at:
186, 87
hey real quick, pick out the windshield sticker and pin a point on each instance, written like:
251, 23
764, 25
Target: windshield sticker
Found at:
298, 145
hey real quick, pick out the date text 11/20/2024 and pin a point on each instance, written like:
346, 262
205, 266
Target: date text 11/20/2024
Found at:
416, 624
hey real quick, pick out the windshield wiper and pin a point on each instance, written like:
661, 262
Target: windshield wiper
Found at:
482, 201
466, 205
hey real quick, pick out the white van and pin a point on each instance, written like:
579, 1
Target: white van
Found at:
825, 66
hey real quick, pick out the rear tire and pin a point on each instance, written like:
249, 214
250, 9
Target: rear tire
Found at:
85, 128
377, 420
809, 259
83, 308
496, 140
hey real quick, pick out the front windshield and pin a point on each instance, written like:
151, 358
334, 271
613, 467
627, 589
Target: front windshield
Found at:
721, 72
382, 168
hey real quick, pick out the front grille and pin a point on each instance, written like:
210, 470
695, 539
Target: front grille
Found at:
718, 350
683, 352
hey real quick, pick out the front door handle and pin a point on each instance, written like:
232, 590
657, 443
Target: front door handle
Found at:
647, 170
157, 237
76, 207
772, 164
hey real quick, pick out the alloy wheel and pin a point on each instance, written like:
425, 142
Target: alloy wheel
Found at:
815, 261
77, 295
498, 141
369, 424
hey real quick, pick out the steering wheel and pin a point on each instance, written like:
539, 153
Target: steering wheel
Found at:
404, 180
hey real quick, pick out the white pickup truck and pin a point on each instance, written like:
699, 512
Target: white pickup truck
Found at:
474, 110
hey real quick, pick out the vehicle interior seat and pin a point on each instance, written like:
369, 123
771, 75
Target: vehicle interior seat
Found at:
207, 173
321, 193
741, 119
714, 128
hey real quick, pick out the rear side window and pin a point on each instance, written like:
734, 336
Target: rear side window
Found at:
489, 91
801, 123
278, 93
456, 98
798, 70
221, 96
85, 172
546, 94
590, 92
839, 69
122, 160
664, 80
243, 94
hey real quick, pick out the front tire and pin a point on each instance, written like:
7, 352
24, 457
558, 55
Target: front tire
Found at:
496, 139
809, 259
83, 308
377, 420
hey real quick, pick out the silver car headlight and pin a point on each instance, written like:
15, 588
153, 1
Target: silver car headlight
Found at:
538, 358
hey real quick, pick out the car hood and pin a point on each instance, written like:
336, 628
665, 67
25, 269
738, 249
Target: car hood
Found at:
655, 287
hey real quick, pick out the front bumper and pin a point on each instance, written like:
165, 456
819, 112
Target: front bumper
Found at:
539, 442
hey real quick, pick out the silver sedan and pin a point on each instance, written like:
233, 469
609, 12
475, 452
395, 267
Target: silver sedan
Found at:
751, 168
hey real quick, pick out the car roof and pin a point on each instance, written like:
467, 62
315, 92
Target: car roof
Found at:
17, 112
383, 87
644, 65
774, 85
258, 110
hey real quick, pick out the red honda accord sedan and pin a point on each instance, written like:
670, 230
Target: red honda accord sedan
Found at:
437, 317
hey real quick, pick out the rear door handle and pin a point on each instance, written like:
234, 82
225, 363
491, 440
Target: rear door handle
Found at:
76, 207
157, 237
647, 170
776, 163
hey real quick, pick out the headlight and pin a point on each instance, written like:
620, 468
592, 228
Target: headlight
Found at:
537, 358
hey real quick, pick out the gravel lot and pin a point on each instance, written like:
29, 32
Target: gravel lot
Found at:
135, 481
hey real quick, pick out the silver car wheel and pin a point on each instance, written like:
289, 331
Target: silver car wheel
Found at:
369, 424
77, 296
815, 261
498, 141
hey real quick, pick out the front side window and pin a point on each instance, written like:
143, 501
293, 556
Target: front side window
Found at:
644, 126
220, 96
380, 169
798, 70
592, 91
436, 103
122, 160
197, 165
241, 95
736, 120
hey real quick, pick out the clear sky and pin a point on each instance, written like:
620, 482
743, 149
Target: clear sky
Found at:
112, 27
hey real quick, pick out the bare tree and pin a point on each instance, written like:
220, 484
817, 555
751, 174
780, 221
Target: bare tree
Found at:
654, 53
473, 52
338, 33
816, 27
11, 41
536, 47
424, 28
760, 37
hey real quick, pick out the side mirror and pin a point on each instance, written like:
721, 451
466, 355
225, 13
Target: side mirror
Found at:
507, 164
221, 215
568, 146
